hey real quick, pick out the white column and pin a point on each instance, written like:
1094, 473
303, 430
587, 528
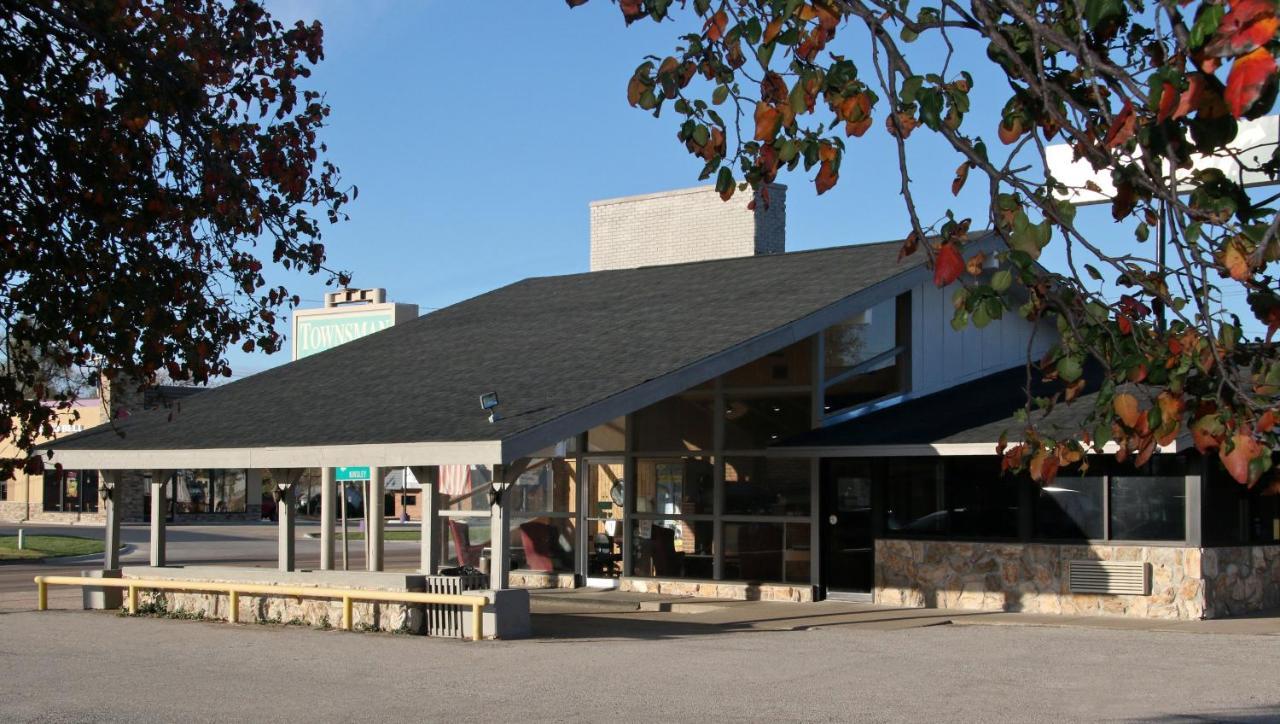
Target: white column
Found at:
111, 490
328, 499
282, 481
159, 485
499, 545
375, 518
429, 548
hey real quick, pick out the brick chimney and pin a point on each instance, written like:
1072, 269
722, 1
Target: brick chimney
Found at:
685, 225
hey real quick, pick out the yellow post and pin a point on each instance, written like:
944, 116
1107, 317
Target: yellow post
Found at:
346, 613
133, 600
233, 606
42, 594
477, 622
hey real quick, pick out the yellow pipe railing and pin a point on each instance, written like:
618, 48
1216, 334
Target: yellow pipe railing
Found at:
235, 590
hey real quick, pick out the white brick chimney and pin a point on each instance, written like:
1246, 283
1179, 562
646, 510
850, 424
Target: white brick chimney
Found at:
671, 227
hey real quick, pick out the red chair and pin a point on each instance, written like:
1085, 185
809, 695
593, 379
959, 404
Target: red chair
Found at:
538, 540
468, 555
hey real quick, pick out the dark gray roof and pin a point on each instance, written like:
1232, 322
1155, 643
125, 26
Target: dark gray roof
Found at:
975, 412
547, 346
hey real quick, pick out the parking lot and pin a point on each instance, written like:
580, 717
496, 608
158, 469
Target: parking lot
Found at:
770, 662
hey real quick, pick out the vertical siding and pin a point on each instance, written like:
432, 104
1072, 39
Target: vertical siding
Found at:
943, 357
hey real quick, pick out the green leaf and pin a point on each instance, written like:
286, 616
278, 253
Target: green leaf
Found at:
1070, 369
910, 87
960, 320
1207, 21
719, 95
1001, 280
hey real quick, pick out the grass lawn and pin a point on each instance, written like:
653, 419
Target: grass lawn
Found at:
386, 535
47, 546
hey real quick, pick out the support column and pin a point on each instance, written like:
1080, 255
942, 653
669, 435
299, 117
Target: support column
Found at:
159, 510
375, 518
282, 481
429, 548
111, 489
499, 545
328, 501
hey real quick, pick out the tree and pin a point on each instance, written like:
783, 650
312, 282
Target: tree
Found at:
1135, 89
148, 149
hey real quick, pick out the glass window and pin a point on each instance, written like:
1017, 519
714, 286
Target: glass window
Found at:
913, 497
754, 423
672, 548
786, 367
1264, 515
191, 492
857, 362
228, 491
676, 423
463, 487
546, 488
605, 491
609, 437
767, 552
675, 486
71, 491
545, 544
1148, 508
766, 486
982, 503
1070, 508
465, 539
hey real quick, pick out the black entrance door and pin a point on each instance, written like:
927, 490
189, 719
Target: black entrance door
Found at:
848, 550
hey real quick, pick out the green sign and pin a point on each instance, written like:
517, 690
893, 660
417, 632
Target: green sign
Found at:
346, 475
317, 333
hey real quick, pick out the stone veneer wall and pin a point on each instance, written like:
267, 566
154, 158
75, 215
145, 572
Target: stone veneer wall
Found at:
1186, 583
540, 579
1241, 579
730, 590
313, 612
1033, 578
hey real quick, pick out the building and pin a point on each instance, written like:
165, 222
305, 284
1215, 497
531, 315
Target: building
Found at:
786, 426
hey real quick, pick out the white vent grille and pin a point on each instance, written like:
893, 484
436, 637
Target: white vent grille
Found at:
1119, 577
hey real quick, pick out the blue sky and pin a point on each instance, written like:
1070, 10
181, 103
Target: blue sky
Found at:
479, 132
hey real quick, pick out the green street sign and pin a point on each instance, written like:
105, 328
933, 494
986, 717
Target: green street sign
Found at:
346, 475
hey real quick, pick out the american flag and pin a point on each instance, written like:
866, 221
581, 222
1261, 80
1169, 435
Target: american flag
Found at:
455, 480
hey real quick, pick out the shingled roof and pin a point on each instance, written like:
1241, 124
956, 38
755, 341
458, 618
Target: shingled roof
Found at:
549, 346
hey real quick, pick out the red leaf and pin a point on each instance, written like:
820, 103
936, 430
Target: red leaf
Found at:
1248, 75
768, 120
1122, 126
962, 175
1190, 98
1250, 24
715, 26
1243, 450
1168, 102
827, 177
948, 265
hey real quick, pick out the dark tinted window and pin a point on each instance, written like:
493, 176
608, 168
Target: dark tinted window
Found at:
1148, 508
913, 497
1070, 508
981, 503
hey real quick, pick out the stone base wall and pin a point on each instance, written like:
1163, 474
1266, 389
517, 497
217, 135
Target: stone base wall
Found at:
1241, 580
19, 512
729, 590
313, 612
540, 579
1033, 578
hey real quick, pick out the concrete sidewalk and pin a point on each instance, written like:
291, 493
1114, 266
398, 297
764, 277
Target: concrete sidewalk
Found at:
655, 609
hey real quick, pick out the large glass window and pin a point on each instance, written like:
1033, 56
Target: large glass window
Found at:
464, 488
674, 486
756, 422
766, 486
672, 548
71, 491
676, 423
767, 551
1071, 508
868, 357
1148, 508
981, 502
229, 488
545, 544
913, 497
786, 367
548, 487
609, 437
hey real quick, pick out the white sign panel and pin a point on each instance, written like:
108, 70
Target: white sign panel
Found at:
1253, 144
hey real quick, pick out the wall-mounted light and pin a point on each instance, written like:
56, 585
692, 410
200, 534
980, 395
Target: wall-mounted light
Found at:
489, 403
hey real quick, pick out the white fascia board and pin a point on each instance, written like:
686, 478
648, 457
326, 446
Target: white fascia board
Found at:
920, 450
480, 452
585, 418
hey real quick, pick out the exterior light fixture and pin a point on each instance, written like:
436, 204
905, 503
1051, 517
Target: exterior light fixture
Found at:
489, 403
